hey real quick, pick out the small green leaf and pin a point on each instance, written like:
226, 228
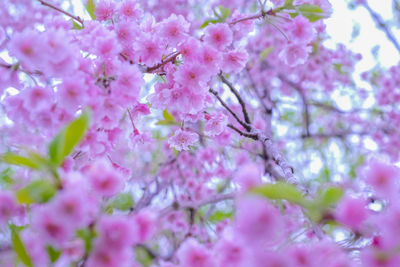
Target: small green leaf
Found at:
209, 21
266, 52
39, 191
220, 215
123, 201
87, 235
19, 247
330, 196
6, 177
143, 256
90, 7
167, 116
312, 12
53, 253
76, 25
68, 138
225, 12
280, 191
15, 159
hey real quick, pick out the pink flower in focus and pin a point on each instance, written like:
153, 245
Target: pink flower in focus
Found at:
383, 178
352, 212
105, 10
104, 180
148, 50
210, 58
174, 29
215, 124
129, 9
182, 140
218, 35
294, 54
234, 61
193, 254
191, 75
189, 49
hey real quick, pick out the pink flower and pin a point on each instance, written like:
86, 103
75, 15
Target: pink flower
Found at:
129, 9
352, 212
26, 47
193, 254
107, 47
294, 54
191, 75
146, 225
8, 207
117, 232
218, 35
189, 49
148, 50
72, 93
104, 256
383, 178
182, 140
231, 253
3, 36
105, 10
210, 58
248, 176
37, 98
51, 227
104, 180
71, 206
174, 29
215, 124
234, 61
256, 220
300, 30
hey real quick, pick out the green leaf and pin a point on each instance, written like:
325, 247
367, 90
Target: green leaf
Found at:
123, 201
220, 215
6, 177
15, 159
330, 196
53, 253
90, 7
209, 21
168, 119
266, 52
87, 235
68, 138
167, 116
280, 191
19, 247
312, 12
76, 25
143, 256
225, 12
39, 191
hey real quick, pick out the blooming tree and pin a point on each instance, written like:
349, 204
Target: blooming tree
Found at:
186, 133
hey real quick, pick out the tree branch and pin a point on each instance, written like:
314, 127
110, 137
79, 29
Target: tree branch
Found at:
78, 19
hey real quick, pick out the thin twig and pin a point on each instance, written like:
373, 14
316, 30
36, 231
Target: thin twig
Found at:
78, 19
238, 97
244, 124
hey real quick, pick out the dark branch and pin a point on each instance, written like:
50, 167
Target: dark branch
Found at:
238, 97
78, 19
